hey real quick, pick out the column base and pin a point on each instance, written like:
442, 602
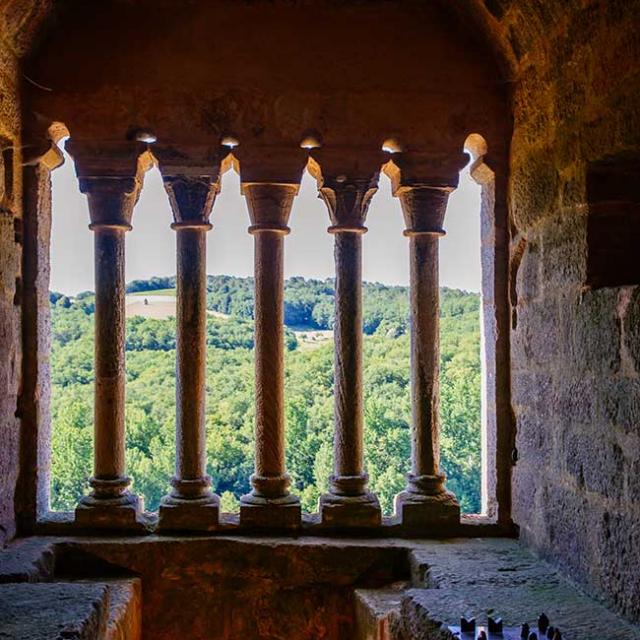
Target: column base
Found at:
417, 511
270, 513
177, 514
122, 513
361, 511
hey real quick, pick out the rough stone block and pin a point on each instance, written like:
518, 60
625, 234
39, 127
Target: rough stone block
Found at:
127, 517
535, 187
418, 512
271, 514
474, 577
347, 512
125, 611
595, 333
189, 517
109, 610
631, 328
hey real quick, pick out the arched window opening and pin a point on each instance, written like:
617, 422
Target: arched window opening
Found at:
387, 402
72, 339
461, 353
150, 343
229, 410
308, 318
494, 348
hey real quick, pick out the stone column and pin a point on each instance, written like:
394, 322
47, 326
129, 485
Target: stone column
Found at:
425, 500
269, 504
191, 505
348, 503
110, 504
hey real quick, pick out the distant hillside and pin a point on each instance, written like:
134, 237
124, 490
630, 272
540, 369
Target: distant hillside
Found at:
309, 303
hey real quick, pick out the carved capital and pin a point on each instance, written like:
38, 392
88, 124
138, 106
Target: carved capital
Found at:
347, 180
348, 201
111, 175
191, 198
423, 208
108, 159
269, 205
111, 200
191, 178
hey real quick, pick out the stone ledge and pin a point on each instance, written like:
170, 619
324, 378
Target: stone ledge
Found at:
497, 562
470, 526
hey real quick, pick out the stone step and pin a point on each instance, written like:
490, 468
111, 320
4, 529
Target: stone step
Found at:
83, 610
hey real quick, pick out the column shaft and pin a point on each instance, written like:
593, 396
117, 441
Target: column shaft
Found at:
110, 174
269, 363
110, 504
348, 411
424, 309
109, 448
191, 358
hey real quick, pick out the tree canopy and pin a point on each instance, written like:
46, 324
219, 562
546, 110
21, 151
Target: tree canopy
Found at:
150, 405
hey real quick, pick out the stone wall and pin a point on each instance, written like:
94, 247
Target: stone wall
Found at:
10, 289
575, 366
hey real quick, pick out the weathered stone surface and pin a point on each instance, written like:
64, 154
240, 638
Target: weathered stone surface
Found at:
52, 611
426, 613
10, 272
499, 578
231, 587
84, 610
27, 560
576, 406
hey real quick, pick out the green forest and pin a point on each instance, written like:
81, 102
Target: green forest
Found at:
150, 408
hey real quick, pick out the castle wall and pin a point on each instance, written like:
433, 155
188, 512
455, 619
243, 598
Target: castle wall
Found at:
575, 364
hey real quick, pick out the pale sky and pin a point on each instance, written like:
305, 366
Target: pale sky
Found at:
150, 248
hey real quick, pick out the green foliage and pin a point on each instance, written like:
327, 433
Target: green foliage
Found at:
153, 284
229, 416
71, 444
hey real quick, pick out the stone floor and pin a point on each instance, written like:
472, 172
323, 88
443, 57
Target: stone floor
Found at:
282, 588
482, 578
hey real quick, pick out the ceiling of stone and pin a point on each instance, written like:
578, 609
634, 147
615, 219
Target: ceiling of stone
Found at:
511, 27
